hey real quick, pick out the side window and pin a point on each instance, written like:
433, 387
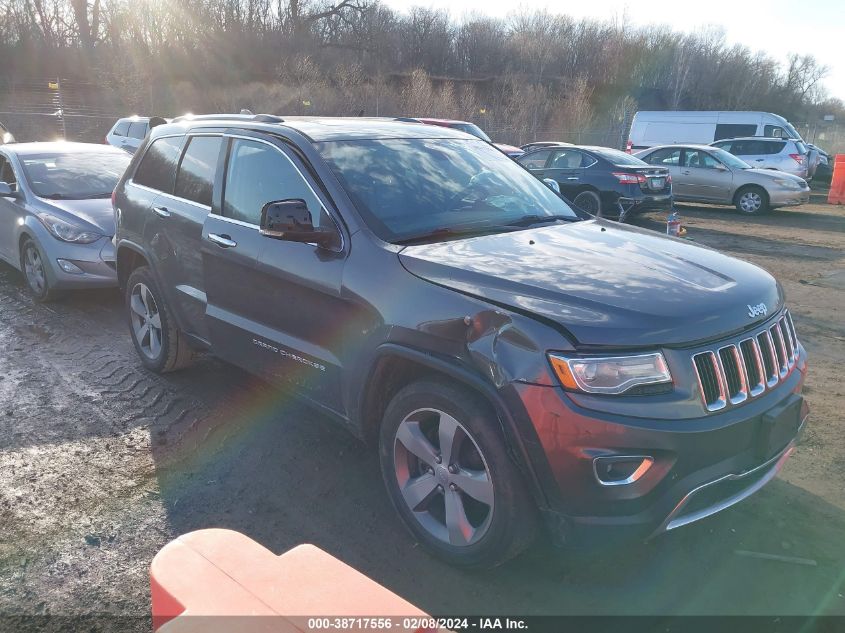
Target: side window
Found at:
137, 129
733, 130
258, 173
195, 180
700, 159
121, 129
772, 147
536, 160
568, 159
726, 145
774, 131
7, 174
669, 157
158, 167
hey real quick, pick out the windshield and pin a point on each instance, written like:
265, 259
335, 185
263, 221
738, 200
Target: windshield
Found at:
618, 158
76, 175
472, 128
729, 159
406, 188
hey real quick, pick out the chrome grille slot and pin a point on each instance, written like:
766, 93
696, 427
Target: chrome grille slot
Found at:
753, 363
767, 351
792, 334
787, 342
733, 372
780, 349
710, 380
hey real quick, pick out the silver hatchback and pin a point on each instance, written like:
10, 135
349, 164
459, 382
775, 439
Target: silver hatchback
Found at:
791, 156
56, 216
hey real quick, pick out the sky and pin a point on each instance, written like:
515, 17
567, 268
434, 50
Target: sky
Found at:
778, 27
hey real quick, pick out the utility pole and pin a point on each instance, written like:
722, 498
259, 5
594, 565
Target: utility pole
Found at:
61, 107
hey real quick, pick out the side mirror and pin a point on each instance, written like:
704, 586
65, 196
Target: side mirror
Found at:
721, 168
290, 220
6, 191
552, 184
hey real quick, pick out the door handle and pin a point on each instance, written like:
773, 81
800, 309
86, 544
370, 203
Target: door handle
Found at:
685, 173
161, 212
572, 178
758, 160
223, 241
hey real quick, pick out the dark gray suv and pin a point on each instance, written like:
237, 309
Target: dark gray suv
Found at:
511, 358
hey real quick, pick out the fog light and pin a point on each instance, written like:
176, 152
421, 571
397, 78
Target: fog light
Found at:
70, 267
621, 470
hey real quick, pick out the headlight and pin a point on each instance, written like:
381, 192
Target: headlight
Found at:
610, 374
68, 232
787, 183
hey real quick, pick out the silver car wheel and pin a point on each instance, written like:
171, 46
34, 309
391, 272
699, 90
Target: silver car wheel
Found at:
443, 477
146, 321
750, 201
36, 277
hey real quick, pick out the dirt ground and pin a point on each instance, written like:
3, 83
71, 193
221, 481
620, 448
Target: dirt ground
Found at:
102, 463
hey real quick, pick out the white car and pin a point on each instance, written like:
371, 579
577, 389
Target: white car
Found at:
5, 135
128, 133
782, 154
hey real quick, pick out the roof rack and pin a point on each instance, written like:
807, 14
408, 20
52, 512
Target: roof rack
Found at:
260, 118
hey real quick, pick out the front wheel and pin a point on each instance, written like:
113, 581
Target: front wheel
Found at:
752, 200
34, 267
449, 476
159, 343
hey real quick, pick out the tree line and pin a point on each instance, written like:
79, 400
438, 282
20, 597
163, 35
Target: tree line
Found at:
532, 74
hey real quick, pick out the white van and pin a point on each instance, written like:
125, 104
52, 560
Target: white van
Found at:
650, 129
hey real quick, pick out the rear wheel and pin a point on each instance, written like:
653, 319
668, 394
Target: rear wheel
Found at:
34, 267
449, 476
588, 201
159, 343
752, 200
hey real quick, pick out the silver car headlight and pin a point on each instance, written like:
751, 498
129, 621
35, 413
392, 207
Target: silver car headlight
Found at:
787, 183
67, 231
610, 374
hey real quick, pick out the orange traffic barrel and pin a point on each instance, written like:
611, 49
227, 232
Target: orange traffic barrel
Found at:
837, 183
220, 580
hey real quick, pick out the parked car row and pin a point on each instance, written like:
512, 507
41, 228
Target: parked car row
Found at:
514, 360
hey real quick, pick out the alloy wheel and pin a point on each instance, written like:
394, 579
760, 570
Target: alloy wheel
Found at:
750, 201
443, 477
34, 269
146, 321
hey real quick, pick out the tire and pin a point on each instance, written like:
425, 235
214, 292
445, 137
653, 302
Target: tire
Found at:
588, 201
751, 200
499, 519
34, 269
159, 343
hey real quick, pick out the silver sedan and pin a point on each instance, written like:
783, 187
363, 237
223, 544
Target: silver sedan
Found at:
56, 217
701, 173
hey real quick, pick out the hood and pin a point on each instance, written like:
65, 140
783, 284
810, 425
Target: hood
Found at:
607, 284
97, 212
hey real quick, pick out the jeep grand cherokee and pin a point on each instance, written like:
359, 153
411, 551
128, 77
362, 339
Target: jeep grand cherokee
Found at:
512, 359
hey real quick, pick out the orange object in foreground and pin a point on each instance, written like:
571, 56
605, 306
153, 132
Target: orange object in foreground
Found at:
223, 573
837, 183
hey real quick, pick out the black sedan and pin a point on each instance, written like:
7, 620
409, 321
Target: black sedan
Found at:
602, 180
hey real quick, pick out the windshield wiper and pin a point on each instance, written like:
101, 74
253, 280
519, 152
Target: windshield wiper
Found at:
528, 220
57, 196
447, 232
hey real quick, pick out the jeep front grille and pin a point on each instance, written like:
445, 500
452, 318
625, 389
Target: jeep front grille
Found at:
734, 373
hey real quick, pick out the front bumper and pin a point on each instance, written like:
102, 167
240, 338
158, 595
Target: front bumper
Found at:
789, 197
700, 466
95, 264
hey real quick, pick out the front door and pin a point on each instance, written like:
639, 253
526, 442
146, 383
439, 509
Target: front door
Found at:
704, 177
10, 211
276, 306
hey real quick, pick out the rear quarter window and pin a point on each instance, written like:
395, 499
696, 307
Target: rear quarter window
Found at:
157, 169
